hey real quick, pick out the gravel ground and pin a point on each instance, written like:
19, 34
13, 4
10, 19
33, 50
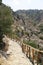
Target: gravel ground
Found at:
16, 57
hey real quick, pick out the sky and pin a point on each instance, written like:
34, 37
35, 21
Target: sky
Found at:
24, 4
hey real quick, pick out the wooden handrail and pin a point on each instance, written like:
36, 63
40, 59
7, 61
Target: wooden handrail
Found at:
28, 49
34, 48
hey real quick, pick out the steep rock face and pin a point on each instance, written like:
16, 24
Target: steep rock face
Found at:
32, 21
29, 17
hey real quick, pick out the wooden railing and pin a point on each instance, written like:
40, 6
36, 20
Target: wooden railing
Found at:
35, 55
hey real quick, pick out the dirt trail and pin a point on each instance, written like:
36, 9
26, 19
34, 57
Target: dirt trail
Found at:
16, 56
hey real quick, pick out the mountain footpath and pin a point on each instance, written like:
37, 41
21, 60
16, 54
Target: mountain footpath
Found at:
16, 56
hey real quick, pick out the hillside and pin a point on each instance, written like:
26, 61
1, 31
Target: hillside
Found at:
29, 24
18, 28
10, 50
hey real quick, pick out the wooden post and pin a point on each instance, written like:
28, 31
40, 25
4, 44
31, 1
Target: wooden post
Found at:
27, 51
22, 47
33, 56
37, 57
40, 57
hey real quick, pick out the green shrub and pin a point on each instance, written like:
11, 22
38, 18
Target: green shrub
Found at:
31, 43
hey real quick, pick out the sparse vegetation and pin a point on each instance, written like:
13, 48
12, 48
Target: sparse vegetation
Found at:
6, 20
32, 21
31, 43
